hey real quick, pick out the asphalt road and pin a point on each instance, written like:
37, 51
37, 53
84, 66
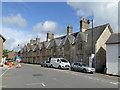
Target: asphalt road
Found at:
35, 76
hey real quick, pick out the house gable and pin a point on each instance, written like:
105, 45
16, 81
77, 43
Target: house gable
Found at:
100, 43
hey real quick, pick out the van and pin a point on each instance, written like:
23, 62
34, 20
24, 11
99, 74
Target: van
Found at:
60, 63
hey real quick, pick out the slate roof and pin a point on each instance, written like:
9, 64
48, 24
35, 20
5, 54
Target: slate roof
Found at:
83, 37
32, 47
28, 48
51, 44
86, 36
114, 39
97, 31
21, 50
2, 38
57, 42
44, 44
25, 49
71, 38
39, 46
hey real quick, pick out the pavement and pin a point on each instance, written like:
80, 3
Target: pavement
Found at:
35, 76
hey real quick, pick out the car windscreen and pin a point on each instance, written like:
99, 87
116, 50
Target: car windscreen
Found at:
47, 62
84, 64
63, 60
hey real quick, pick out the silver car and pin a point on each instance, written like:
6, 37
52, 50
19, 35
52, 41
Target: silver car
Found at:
45, 64
78, 66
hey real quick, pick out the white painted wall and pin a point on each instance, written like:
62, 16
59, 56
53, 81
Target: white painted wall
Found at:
112, 59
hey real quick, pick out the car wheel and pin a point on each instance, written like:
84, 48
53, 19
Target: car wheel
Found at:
92, 72
41, 65
59, 67
51, 66
84, 70
72, 69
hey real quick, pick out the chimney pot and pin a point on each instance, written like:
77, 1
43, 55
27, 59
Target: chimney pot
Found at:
84, 25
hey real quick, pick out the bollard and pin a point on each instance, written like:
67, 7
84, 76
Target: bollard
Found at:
105, 70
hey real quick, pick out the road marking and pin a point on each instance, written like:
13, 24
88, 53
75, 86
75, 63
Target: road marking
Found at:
115, 83
43, 84
36, 84
97, 79
4, 72
32, 65
90, 77
107, 75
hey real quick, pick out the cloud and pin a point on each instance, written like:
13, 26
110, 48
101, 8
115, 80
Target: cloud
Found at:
17, 20
14, 37
46, 26
103, 12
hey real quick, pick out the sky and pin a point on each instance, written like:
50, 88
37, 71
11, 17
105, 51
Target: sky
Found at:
22, 21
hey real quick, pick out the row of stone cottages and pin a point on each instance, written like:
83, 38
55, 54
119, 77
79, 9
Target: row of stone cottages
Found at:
73, 46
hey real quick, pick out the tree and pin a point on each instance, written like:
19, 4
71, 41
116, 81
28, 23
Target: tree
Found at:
5, 51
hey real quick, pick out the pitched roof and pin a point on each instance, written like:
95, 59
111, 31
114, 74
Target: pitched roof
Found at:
39, 46
97, 31
57, 41
50, 45
81, 37
44, 44
28, 48
114, 39
86, 36
2, 38
71, 38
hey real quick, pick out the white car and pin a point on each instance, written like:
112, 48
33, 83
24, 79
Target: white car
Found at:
59, 63
78, 66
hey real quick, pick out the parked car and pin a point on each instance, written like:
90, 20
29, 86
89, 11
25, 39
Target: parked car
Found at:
60, 63
78, 66
45, 64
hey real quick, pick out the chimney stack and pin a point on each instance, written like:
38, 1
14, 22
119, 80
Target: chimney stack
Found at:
28, 44
84, 25
49, 36
37, 40
69, 30
32, 42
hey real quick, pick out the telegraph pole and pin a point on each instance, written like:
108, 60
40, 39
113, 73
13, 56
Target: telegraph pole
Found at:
92, 38
92, 45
